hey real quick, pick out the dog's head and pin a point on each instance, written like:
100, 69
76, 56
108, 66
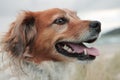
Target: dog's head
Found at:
54, 34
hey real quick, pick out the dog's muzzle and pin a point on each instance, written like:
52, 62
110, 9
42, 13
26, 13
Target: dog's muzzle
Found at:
78, 49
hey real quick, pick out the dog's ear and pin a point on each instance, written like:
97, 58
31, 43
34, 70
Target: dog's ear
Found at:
21, 34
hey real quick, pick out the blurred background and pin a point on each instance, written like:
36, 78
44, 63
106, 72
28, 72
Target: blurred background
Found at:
105, 11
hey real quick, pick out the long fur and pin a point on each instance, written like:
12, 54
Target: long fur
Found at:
30, 45
14, 69
20, 36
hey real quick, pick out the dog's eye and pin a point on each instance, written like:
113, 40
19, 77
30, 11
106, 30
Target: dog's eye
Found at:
60, 21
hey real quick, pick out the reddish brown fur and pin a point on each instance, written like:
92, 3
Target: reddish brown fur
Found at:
40, 39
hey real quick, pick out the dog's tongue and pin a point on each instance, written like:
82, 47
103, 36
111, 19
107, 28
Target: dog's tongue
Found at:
79, 48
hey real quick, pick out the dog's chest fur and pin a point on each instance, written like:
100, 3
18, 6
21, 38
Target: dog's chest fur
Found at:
47, 70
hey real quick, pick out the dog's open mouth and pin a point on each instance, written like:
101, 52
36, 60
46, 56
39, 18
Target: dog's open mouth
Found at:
77, 50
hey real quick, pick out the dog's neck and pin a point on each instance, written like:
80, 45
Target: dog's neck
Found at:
47, 70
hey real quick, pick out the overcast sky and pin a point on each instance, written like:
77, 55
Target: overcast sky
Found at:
10, 8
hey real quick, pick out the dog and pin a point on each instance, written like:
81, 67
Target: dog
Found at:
44, 45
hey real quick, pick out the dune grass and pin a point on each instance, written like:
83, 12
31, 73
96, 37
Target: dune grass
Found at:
101, 69
114, 67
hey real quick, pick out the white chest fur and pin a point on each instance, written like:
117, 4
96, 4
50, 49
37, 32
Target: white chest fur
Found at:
48, 70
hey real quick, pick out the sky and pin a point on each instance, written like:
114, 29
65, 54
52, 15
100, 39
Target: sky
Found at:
106, 11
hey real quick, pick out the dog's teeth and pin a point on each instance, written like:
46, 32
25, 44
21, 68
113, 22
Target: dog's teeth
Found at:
66, 47
85, 51
69, 50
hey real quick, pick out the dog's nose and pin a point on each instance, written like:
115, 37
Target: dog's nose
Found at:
95, 25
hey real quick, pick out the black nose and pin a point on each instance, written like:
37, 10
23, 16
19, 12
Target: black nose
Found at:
95, 25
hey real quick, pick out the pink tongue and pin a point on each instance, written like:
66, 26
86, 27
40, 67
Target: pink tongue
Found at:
80, 48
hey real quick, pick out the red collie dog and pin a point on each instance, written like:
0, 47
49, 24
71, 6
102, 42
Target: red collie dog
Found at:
44, 45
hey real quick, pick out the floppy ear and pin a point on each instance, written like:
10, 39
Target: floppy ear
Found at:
21, 34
